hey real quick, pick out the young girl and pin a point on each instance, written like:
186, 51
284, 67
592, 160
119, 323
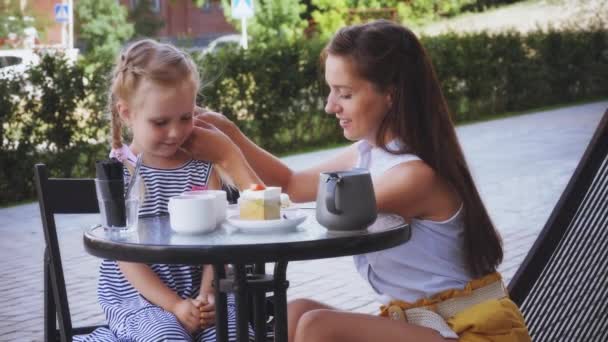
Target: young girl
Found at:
153, 93
442, 284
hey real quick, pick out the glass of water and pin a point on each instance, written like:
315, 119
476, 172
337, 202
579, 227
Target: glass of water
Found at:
132, 213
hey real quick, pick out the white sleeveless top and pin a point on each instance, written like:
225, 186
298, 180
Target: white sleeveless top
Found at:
430, 262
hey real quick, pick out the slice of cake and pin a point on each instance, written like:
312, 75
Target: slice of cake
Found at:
260, 203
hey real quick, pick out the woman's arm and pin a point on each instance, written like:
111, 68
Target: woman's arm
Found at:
410, 189
215, 182
208, 143
414, 190
301, 185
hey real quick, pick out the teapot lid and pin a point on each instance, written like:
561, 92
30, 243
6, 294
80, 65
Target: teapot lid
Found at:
352, 172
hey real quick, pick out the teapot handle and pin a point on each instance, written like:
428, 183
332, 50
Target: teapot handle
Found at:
330, 193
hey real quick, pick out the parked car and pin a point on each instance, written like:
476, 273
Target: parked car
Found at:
16, 62
222, 42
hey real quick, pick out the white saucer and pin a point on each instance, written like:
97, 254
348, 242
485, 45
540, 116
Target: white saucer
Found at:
288, 222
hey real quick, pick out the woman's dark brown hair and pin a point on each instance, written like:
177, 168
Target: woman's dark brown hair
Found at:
391, 57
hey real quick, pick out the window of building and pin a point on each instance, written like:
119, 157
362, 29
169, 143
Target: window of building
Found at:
154, 5
211, 5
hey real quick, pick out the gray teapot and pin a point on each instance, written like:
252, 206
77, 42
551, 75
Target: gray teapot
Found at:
346, 200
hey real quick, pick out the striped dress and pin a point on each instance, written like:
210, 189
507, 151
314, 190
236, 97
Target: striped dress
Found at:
130, 316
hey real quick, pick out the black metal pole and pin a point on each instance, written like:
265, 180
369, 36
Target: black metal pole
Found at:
280, 305
259, 306
221, 304
50, 328
242, 311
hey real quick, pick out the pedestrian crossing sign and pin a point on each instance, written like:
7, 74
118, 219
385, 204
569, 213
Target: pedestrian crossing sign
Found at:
242, 9
62, 13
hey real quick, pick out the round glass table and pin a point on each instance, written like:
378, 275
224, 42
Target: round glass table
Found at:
155, 242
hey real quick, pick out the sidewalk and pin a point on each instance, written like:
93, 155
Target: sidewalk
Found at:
520, 164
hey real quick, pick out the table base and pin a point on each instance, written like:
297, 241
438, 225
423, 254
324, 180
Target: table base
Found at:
256, 283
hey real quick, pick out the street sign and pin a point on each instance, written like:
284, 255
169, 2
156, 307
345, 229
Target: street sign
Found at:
62, 13
242, 9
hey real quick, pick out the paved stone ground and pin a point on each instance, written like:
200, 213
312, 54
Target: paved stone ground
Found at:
521, 165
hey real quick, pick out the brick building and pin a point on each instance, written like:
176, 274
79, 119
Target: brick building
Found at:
182, 19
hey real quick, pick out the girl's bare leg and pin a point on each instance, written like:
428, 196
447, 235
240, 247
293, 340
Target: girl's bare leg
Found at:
295, 310
325, 325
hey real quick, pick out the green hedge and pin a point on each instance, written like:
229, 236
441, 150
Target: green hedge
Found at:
275, 94
55, 113
51, 114
484, 74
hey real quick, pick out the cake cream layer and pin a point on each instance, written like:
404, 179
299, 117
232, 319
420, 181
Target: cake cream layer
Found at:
270, 192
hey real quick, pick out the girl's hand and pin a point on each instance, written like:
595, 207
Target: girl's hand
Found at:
188, 314
206, 305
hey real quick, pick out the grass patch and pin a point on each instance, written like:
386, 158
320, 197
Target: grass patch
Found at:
16, 203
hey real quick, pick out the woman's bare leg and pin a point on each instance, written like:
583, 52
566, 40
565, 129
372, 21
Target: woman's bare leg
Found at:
295, 310
323, 325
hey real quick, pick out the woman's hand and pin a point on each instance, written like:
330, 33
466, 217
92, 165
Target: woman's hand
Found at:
188, 314
203, 117
206, 142
206, 305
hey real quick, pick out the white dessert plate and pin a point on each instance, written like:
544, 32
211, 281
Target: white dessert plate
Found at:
289, 221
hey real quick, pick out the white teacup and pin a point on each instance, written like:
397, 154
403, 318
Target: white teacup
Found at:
221, 201
192, 214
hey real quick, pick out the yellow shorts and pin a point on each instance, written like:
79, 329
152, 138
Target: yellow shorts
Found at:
471, 314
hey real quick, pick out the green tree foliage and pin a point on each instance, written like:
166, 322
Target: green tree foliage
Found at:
422, 11
330, 15
146, 22
283, 19
49, 114
273, 20
103, 28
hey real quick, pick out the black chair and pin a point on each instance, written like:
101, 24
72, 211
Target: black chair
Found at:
60, 196
562, 285
77, 196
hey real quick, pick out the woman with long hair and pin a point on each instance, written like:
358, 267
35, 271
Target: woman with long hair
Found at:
442, 283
